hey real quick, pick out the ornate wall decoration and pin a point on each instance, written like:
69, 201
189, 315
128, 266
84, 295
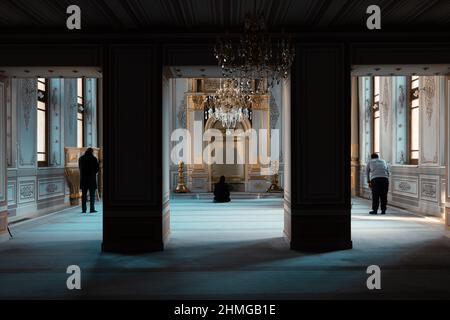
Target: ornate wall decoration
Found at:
402, 158
386, 103
54, 100
55, 161
365, 107
51, 188
401, 100
430, 188
430, 123
428, 91
368, 111
26, 124
182, 113
90, 112
88, 106
401, 123
26, 191
28, 92
72, 106
406, 186
211, 85
274, 112
56, 122
198, 102
260, 102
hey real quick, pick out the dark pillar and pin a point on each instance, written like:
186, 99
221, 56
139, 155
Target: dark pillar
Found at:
132, 106
319, 216
3, 164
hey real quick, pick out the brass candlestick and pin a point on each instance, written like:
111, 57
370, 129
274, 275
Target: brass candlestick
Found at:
274, 187
181, 186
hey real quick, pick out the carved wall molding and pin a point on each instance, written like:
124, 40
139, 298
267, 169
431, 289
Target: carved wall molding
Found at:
196, 102
274, 112
428, 91
386, 104
430, 124
90, 112
56, 122
50, 188
26, 103
70, 108
430, 188
400, 134
211, 85
181, 114
260, 102
406, 186
28, 91
27, 189
366, 115
401, 100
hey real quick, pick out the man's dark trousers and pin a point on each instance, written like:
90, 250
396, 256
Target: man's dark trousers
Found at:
380, 188
84, 198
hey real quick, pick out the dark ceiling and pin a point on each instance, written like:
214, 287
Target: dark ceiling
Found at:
209, 15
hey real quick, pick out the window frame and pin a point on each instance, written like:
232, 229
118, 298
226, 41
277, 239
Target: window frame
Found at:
82, 105
43, 163
375, 110
412, 98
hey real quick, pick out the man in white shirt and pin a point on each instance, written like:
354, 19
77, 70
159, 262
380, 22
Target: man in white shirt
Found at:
377, 172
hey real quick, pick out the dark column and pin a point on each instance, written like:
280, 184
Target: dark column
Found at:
132, 107
355, 177
320, 145
3, 164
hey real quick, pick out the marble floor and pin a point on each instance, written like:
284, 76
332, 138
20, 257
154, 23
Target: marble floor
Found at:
231, 251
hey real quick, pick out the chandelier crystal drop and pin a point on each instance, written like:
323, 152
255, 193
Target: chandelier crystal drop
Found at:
229, 105
256, 56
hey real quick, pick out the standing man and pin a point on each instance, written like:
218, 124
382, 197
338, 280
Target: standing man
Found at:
377, 172
89, 167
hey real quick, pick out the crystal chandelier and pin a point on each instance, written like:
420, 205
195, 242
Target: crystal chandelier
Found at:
229, 105
255, 57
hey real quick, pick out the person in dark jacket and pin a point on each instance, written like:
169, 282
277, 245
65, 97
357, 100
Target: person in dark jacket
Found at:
221, 191
89, 167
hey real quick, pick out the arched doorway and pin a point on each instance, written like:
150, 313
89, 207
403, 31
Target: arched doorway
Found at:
235, 173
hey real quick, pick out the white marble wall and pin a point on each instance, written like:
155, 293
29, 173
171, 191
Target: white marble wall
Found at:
416, 187
286, 134
33, 190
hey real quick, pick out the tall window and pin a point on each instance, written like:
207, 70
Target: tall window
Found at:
42, 122
376, 114
414, 120
80, 113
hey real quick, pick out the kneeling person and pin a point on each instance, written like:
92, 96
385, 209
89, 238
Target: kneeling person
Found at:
221, 191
